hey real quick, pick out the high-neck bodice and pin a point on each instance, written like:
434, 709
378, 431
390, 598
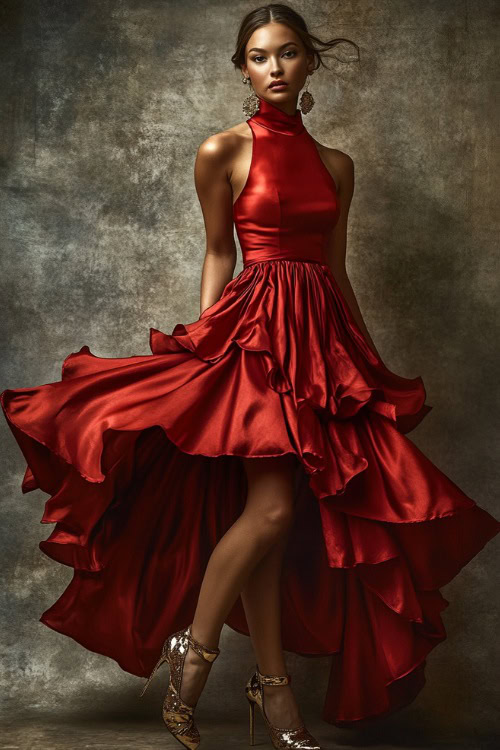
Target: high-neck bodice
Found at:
289, 204
271, 117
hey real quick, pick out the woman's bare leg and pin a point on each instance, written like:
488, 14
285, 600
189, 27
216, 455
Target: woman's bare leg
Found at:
267, 516
261, 599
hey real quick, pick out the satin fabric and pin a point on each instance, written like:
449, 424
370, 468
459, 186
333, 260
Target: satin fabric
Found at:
141, 458
288, 206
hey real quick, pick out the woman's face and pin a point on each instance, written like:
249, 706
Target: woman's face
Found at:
275, 52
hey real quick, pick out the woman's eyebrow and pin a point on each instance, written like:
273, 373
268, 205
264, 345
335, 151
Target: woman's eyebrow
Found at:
259, 49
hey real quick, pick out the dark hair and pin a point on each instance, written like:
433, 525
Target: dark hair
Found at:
289, 17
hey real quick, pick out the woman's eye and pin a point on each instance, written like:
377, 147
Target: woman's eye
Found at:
289, 51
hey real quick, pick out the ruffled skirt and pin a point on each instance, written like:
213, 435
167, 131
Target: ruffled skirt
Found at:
141, 458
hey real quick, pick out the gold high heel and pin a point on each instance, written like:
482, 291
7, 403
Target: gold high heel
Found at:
281, 738
177, 715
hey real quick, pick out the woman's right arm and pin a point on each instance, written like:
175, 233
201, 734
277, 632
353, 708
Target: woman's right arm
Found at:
211, 173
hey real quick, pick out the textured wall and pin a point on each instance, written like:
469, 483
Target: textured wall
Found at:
103, 106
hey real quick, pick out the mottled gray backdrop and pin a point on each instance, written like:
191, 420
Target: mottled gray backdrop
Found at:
103, 105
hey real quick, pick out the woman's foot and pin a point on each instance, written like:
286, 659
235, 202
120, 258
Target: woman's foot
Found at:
194, 676
281, 707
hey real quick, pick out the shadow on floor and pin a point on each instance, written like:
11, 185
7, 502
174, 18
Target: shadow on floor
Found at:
43, 731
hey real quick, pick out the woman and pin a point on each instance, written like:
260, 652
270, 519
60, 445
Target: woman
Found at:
337, 539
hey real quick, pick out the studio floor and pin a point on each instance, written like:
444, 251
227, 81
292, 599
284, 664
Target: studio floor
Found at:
51, 732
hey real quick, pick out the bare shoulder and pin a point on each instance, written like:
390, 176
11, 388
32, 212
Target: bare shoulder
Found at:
344, 162
221, 147
335, 156
339, 163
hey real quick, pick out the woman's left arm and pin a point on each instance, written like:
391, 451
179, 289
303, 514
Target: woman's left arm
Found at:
342, 165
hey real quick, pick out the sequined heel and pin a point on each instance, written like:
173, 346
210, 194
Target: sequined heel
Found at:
280, 738
177, 715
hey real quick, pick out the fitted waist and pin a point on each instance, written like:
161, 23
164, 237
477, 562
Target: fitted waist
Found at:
261, 256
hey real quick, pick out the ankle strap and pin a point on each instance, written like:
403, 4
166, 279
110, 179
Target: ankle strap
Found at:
268, 679
209, 654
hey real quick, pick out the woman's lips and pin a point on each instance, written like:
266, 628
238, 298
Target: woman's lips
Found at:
278, 86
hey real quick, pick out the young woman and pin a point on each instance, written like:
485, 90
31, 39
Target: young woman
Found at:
254, 469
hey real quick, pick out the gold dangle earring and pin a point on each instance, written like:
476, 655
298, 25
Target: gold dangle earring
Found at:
306, 100
251, 103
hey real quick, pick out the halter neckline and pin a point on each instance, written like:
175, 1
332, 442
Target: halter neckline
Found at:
273, 118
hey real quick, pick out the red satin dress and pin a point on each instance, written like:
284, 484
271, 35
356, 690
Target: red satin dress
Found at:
141, 458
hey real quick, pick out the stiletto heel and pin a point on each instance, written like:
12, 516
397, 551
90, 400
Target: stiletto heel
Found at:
161, 660
280, 738
251, 706
176, 714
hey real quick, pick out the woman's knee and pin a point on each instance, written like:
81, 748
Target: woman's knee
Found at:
270, 499
276, 519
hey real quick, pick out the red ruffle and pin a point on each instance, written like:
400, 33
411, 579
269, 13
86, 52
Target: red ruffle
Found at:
140, 457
